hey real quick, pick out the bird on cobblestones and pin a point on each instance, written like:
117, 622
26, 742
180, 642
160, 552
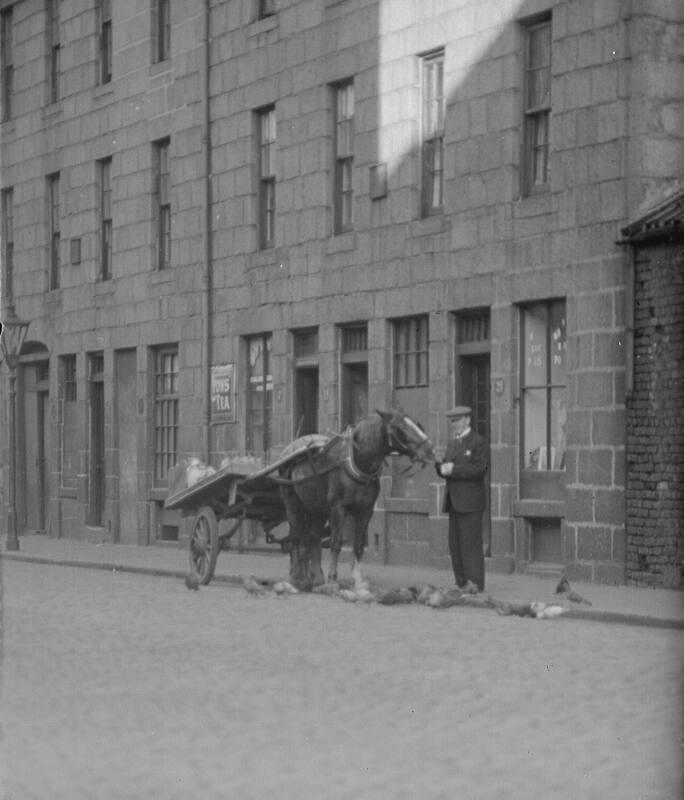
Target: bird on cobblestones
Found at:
191, 582
283, 587
252, 585
564, 588
394, 597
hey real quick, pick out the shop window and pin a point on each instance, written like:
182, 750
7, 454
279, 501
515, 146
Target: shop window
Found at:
543, 387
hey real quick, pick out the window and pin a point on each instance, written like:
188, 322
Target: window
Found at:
433, 132
8, 242
105, 23
53, 49
537, 111
69, 385
162, 29
6, 43
55, 235
267, 140
305, 403
165, 411
354, 373
344, 157
259, 394
105, 187
266, 8
544, 385
411, 352
163, 203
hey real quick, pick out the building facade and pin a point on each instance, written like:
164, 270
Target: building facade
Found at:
236, 221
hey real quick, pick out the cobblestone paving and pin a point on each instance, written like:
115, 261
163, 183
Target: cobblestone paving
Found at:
121, 686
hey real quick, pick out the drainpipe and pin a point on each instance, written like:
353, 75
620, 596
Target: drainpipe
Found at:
206, 236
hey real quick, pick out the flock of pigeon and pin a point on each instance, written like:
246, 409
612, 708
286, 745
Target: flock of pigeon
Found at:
428, 595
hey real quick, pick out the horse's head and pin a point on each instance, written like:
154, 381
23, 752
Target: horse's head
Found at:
406, 437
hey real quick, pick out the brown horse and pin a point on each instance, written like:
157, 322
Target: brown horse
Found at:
338, 486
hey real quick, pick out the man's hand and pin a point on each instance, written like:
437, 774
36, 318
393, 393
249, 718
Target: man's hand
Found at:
446, 469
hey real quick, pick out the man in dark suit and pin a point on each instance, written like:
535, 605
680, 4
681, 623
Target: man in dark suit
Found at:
464, 467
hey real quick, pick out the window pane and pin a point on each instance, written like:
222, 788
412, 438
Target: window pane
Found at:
557, 325
558, 425
534, 401
535, 355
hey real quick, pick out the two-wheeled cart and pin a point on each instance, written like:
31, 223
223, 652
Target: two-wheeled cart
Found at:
232, 493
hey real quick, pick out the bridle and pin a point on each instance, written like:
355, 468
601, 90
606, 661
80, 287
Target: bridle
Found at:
399, 443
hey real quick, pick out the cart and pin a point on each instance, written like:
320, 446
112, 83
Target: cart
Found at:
232, 493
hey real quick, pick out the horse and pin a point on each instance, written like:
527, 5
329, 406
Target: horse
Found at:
334, 490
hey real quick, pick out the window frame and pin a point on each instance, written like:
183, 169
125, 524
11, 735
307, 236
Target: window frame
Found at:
432, 132
54, 227
105, 38
266, 165
105, 210
536, 115
162, 31
548, 386
166, 411
7, 54
54, 49
256, 383
411, 352
343, 143
162, 200
8, 242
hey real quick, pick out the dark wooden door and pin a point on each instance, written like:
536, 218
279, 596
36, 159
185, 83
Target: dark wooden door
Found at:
97, 453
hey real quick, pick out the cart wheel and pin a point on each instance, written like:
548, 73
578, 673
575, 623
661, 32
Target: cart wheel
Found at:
204, 545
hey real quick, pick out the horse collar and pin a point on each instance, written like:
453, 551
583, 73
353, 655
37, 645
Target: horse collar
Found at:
349, 465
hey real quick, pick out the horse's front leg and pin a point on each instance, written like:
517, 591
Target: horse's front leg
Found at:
360, 534
336, 539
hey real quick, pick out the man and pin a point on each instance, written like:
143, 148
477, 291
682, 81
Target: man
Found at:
464, 467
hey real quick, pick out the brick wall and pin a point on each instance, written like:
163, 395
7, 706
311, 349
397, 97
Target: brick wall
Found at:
655, 420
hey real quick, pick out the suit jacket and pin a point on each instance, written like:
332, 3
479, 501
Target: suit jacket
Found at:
465, 487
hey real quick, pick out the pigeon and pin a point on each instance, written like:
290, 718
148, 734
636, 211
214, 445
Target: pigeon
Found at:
326, 588
542, 611
394, 597
192, 582
565, 588
364, 596
283, 587
252, 585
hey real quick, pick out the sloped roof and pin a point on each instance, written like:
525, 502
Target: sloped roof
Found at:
664, 220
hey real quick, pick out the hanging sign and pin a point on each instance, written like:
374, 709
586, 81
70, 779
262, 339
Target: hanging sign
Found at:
223, 392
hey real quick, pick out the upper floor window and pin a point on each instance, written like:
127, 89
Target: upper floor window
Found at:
105, 192
432, 144
343, 191
54, 49
543, 387
69, 384
411, 349
7, 56
266, 8
105, 35
163, 203
259, 394
266, 121
8, 242
166, 404
537, 110
54, 229
162, 30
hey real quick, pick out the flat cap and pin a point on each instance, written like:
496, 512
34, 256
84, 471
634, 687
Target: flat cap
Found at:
459, 411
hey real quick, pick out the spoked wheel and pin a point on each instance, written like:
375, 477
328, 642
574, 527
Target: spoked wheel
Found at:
204, 545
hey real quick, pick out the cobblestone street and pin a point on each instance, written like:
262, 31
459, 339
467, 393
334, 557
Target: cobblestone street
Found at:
122, 686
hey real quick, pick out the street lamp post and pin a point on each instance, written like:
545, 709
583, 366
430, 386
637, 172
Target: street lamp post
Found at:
11, 340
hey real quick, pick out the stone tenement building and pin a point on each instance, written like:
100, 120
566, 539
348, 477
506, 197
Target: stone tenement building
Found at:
232, 221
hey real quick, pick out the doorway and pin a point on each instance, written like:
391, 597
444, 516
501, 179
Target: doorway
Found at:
127, 446
96, 498
36, 437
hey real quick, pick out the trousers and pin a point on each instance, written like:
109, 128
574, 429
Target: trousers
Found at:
465, 548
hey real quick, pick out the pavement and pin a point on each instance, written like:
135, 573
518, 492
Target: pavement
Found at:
633, 605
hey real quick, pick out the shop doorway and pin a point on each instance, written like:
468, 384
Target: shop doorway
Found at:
36, 437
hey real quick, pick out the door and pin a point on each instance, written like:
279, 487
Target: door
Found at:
97, 452
354, 393
36, 448
127, 446
474, 373
306, 401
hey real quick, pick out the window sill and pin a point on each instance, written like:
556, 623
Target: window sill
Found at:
161, 276
340, 242
533, 205
164, 67
431, 224
264, 25
103, 91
